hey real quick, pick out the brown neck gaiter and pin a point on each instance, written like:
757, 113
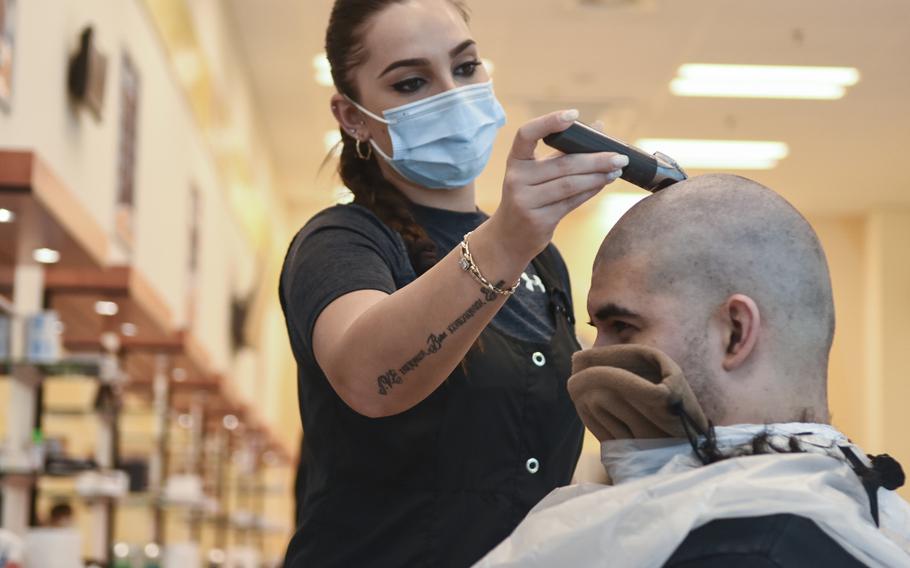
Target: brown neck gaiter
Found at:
630, 391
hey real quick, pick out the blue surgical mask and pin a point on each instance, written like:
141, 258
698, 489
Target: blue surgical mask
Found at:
443, 141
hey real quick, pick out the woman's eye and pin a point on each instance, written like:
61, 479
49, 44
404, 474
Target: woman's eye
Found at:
409, 85
467, 69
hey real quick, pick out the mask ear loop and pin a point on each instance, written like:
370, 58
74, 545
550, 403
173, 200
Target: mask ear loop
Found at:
369, 153
365, 111
372, 143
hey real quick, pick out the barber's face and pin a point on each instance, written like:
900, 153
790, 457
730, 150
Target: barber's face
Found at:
415, 50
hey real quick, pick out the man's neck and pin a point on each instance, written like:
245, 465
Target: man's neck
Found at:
630, 459
770, 394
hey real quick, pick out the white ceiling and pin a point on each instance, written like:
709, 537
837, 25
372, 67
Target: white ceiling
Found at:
614, 60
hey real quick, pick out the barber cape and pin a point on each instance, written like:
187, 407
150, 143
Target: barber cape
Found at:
662, 493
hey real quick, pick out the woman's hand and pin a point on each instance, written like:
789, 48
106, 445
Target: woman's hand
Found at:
538, 193
426, 327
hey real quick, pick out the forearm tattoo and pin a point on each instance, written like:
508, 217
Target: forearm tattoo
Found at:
387, 381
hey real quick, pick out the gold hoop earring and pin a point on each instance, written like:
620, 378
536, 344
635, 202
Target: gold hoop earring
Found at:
361, 154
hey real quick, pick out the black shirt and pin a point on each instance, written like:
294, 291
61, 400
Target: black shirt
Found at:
526, 314
356, 251
773, 541
443, 482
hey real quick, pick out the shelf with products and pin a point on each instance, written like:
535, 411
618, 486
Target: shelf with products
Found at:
45, 217
117, 334
46, 226
72, 368
33, 475
143, 499
76, 411
53, 273
118, 300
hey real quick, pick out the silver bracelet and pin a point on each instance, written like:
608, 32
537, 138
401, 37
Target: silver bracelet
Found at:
468, 265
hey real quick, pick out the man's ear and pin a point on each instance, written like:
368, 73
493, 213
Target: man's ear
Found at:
349, 118
743, 324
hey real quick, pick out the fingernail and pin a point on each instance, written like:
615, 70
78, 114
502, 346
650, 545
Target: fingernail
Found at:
620, 161
615, 175
569, 115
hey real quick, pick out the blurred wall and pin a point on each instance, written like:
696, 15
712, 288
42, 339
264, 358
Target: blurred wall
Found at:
174, 153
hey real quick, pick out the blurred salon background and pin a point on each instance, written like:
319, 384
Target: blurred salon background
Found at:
157, 157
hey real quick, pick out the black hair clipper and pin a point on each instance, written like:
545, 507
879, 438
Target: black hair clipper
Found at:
644, 170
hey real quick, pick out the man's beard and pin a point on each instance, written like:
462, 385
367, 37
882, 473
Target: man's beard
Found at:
694, 364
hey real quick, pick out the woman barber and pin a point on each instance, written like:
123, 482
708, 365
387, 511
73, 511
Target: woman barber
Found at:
433, 342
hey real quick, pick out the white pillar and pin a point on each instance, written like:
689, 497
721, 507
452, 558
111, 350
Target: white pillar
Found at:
161, 385
28, 291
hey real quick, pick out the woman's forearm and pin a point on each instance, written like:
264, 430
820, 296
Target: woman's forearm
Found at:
383, 354
401, 348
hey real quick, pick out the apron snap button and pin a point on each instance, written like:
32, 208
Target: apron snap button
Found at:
539, 359
532, 465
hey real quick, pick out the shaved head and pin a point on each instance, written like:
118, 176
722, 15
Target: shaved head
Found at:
688, 249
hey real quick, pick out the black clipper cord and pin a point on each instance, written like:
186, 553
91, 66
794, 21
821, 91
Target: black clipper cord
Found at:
644, 170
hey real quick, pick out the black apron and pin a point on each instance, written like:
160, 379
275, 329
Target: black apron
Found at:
442, 483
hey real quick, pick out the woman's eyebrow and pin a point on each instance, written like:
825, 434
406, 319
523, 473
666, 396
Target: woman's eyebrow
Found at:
419, 62
422, 62
461, 47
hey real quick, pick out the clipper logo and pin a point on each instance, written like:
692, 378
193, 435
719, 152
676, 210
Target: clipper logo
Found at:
533, 283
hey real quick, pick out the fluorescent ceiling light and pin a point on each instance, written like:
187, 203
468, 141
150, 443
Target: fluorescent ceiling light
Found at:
323, 70
7, 216
719, 154
106, 308
763, 81
46, 256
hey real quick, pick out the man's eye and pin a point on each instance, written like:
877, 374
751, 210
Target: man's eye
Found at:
621, 327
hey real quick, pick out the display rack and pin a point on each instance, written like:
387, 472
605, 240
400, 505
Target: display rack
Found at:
133, 352
48, 221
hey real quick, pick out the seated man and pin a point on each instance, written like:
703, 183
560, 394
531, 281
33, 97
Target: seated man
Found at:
722, 276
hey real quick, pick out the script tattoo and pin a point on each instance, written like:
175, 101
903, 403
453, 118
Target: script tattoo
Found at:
434, 342
393, 377
387, 380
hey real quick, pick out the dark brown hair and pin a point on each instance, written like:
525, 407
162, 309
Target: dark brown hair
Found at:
345, 51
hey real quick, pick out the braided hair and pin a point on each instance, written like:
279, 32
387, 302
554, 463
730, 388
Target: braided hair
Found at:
345, 51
